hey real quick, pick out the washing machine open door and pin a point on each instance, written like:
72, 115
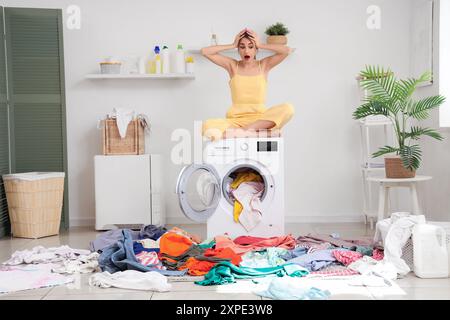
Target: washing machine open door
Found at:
198, 189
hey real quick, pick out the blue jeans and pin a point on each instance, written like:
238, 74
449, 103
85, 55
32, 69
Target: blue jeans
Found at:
120, 256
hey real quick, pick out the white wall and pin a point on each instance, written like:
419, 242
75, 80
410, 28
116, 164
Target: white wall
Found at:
436, 153
323, 182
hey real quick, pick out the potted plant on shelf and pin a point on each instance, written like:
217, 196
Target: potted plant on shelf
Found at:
393, 98
277, 33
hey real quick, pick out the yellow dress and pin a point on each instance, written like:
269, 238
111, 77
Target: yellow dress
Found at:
248, 94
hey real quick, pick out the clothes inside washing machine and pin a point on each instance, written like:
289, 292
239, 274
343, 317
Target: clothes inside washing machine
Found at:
245, 188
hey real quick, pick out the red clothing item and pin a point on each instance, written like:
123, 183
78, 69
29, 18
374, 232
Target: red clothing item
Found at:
226, 253
197, 267
346, 257
248, 240
174, 244
286, 242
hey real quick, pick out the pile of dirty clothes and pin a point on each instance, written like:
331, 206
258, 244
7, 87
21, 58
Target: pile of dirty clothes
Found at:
245, 189
153, 257
221, 260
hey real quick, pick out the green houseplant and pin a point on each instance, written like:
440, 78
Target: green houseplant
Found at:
392, 98
277, 33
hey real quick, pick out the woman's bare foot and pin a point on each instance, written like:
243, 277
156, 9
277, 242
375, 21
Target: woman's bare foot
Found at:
239, 133
250, 133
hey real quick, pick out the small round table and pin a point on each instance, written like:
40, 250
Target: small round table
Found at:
386, 183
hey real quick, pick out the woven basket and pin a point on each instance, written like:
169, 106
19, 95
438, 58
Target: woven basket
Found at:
34, 206
277, 40
132, 144
395, 169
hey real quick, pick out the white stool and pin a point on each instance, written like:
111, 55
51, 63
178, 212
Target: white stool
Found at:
387, 183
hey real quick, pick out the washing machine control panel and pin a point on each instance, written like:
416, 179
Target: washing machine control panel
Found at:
267, 146
223, 151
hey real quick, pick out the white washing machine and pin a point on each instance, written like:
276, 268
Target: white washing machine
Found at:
203, 188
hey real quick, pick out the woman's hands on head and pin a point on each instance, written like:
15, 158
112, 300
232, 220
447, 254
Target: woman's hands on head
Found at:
249, 33
252, 34
239, 37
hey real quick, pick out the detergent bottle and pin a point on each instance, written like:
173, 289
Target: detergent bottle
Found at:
430, 251
151, 64
180, 64
158, 65
165, 60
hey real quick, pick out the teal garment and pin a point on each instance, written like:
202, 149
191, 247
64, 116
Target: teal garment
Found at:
269, 257
294, 270
226, 272
207, 244
285, 289
365, 251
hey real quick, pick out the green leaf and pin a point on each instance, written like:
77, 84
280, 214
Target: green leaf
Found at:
407, 87
385, 150
416, 132
411, 156
371, 108
419, 110
379, 82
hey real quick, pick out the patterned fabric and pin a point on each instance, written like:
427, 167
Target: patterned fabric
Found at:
335, 273
322, 246
333, 270
149, 258
378, 254
346, 256
267, 258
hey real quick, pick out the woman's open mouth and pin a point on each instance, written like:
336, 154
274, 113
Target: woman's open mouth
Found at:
247, 57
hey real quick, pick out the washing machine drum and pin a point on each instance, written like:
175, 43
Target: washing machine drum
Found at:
198, 189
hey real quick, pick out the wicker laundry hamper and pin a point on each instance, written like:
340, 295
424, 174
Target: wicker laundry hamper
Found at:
34, 203
132, 144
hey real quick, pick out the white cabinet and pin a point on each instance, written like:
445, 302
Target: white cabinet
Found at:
128, 191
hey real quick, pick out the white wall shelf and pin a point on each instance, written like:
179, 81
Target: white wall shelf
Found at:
141, 76
196, 50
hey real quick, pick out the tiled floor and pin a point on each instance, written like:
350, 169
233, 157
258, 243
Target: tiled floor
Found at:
410, 287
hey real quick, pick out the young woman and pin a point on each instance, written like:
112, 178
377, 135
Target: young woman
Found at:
248, 83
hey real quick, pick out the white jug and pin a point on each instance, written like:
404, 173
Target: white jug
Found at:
430, 251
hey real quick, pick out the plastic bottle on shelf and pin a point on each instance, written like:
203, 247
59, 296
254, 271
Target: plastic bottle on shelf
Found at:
189, 64
180, 64
151, 66
165, 60
151, 62
142, 63
214, 39
158, 65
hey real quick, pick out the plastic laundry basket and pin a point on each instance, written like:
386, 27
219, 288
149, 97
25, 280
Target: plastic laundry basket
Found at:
34, 203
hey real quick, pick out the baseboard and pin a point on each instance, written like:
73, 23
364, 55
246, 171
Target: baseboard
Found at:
289, 219
325, 219
88, 222
82, 222
179, 220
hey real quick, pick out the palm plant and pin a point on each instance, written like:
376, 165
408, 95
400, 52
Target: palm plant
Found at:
393, 98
